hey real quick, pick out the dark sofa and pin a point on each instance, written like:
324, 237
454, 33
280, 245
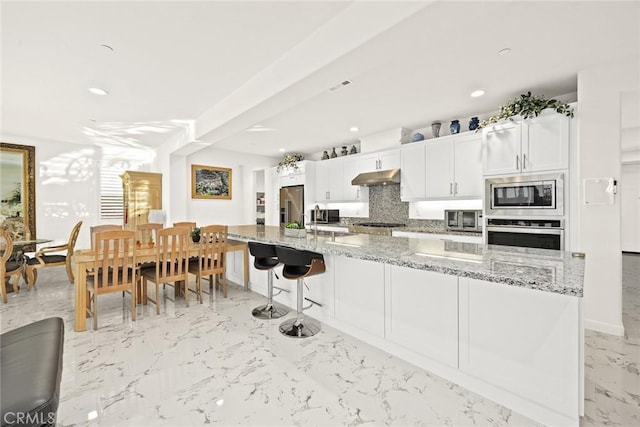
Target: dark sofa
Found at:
30, 373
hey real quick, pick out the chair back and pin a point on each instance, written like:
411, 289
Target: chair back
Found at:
17, 228
213, 242
171, 254
265, 256
147, 231
99, 228
73, 238
188, 224
300, 263
115, 264
6, 248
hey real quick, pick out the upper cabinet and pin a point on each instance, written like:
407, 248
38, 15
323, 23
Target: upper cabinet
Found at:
532, 145
381, 160
444, 168
333, 180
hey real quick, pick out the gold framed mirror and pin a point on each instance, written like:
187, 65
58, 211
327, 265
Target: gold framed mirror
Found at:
18, 184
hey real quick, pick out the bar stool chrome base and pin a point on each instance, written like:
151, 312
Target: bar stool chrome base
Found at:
299, 328
269, 311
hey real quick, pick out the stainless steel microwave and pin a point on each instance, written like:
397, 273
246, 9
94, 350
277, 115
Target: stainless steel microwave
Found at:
463, 220
525, 195
325, 216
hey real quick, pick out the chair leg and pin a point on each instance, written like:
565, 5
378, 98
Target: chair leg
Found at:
157, 298
224, 284
31, 276
3, 288
94, 311
186, 291
133, 303
70, 273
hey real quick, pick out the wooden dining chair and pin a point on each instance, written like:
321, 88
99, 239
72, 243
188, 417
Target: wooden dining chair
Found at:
211, 260
189, 224
99, 228
8, 269
148, 232
50, 257
170, 263
114, 269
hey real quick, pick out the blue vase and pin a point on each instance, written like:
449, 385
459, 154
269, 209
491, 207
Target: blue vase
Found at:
455, 126
417, 137
474, 123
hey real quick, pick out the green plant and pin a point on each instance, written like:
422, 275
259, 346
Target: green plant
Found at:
195, 234
150, 239
295, 225
290, 161
526, 106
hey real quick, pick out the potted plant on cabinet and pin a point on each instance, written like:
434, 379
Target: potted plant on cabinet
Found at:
290, 161
527, 106
150, 243
295, 229
195, 234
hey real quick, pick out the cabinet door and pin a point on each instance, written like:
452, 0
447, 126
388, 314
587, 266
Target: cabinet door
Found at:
413, 171
545, 145
389, 159
468, 182
359, 287
369, 162
353, 193
322, 180
422, 313
336, 177
439, 169
501, 149
320, 289
522, 340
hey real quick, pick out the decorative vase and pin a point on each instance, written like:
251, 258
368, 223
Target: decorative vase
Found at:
435, 129
417, 137
354, 150
333, 153
325, 155
474, 123
454, 126
344, 151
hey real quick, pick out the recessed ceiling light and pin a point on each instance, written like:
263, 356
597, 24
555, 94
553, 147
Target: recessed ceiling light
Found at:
259, 128
354, 128
282, 150
504, 51
477, 93
98, 91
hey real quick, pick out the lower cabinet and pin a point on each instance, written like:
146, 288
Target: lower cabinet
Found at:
522, 340
321, 290
359, 294
422, 313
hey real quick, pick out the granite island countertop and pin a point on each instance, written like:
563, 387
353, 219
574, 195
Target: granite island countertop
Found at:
540, 269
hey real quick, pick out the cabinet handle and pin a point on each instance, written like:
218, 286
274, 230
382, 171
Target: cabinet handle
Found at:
451, 188
358, 193
517, 162
328, 195
524, 161
455, 188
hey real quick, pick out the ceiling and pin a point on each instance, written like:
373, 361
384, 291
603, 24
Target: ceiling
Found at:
211, 69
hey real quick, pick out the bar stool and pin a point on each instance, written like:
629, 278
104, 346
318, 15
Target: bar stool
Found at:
299, 264
266, 260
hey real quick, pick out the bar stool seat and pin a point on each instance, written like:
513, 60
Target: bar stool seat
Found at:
265, 259
299, 264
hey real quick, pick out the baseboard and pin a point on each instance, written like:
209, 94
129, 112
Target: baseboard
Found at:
607, 328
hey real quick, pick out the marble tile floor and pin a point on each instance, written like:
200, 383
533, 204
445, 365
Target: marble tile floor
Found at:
214, 363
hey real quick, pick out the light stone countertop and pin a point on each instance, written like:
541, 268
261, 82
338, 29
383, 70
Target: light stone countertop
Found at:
541, 269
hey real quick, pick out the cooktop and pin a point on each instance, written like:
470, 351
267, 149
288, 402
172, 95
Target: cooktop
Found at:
380, 224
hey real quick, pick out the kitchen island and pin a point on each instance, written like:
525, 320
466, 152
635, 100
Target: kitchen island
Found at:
505, 322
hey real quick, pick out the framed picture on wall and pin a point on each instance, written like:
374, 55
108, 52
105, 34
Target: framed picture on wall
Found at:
210, 182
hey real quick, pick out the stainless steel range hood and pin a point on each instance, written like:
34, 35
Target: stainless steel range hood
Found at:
391, 176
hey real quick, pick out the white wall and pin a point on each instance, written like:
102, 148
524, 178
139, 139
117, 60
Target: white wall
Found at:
599, 99
239, 210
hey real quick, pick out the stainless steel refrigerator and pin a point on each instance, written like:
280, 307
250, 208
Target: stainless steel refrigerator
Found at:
291, 204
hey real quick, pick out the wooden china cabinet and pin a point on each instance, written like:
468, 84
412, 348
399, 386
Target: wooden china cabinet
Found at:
142, 191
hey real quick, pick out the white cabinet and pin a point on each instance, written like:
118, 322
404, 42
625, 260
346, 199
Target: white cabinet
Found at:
352, 166
413, 172
422, 313
381, 160
320, 289
359, 294
522, 340
443, 168
272, 197
330, 180
532, 145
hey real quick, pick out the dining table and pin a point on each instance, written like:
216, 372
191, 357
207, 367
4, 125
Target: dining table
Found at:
84, 260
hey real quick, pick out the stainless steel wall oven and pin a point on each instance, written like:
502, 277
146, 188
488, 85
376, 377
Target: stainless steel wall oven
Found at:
530, 233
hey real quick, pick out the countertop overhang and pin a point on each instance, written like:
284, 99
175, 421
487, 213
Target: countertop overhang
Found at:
539, 269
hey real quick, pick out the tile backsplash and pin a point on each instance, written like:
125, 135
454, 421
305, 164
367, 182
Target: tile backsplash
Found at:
385, 206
